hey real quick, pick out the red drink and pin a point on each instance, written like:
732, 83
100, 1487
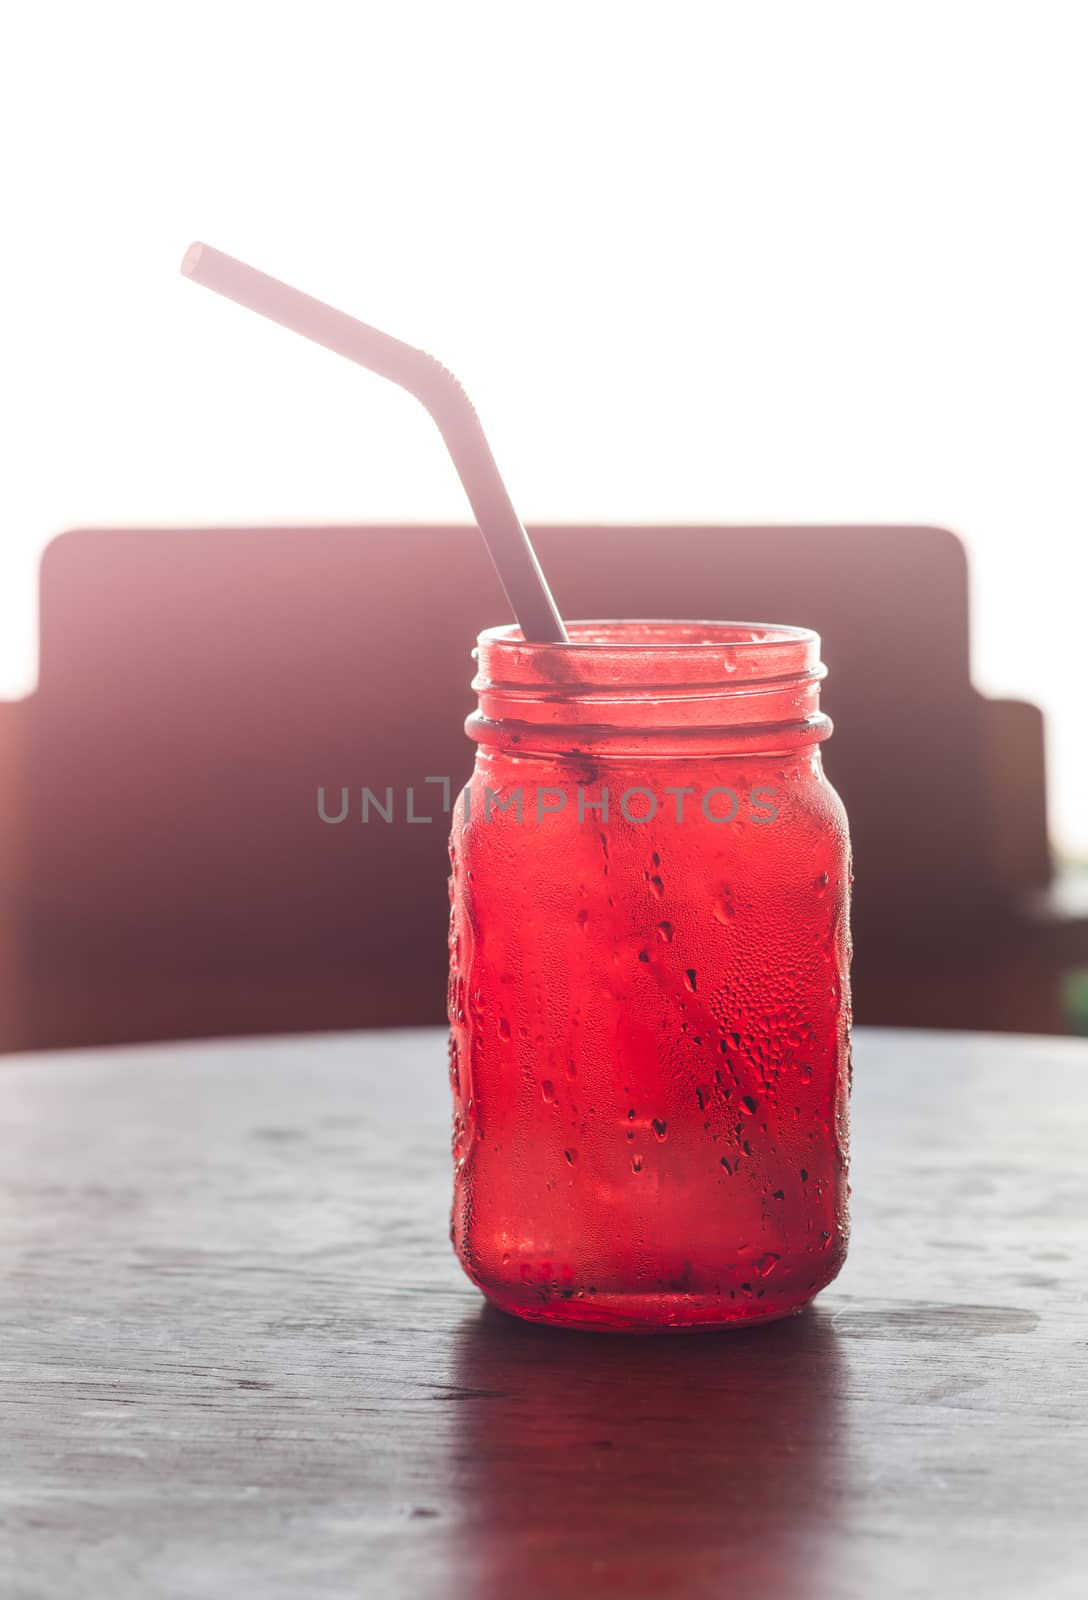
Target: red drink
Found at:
649, 991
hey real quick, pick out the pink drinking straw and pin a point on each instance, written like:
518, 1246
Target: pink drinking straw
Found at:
436, 388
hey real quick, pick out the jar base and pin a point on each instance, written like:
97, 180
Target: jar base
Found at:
644, 1314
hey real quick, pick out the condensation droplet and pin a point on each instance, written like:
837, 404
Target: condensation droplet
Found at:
664, 932
547, 1090
660, 1127
723, 907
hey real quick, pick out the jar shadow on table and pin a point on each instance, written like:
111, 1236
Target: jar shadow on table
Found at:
591, 1464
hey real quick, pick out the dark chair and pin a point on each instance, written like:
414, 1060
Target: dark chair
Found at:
168, 872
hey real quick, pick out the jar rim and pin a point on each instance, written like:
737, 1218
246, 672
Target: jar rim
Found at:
626, 678
613, 632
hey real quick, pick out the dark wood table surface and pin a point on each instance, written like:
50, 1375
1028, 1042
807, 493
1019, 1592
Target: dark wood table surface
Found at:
240, 1360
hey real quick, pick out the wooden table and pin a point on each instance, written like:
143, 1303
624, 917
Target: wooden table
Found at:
240, 1360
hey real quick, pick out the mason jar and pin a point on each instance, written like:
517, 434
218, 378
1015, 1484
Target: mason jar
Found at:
649, 978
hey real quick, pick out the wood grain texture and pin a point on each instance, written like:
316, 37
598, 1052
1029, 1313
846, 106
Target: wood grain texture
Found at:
240, 1360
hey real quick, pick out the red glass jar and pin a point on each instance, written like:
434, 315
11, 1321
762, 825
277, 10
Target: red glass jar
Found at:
649, 979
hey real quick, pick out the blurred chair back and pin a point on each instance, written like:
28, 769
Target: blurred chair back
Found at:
172, 876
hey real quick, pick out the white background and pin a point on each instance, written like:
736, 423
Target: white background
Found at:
804, 262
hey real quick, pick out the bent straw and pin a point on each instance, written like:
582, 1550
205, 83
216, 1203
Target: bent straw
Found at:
438, 390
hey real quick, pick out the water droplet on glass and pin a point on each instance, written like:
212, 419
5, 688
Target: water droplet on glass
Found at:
749, 1103
644, 955
726, 1165
658, 887
664, 932
723, 907
571, 1155
766, 1264
504, 1028
689, 979
636, 1163
660, 1128
547, 1090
